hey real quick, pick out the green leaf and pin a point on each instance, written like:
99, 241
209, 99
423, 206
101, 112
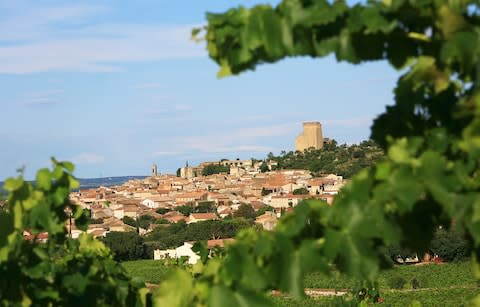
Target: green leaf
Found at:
60, 196
75, 283
73, 183
68, 166
221, 296
438, 139
6, 227
13, 184
249, 298
224, 70
176, 290
272, 34
462, 48
476, 211
201, 249
41, 253
291, 279
40, 218
43, 179
382, 170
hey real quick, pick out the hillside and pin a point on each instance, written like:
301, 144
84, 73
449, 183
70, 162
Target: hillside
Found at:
344, 160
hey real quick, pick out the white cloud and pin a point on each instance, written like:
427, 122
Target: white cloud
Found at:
35, 43
182, 107
348, 122
148, 85
166, 153
42, 98
167, 109
87, 158
162, 98
242, 148
240, 140
270, 131
41, 101
29, 21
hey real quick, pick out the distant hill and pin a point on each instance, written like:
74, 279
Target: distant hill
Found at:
91, 183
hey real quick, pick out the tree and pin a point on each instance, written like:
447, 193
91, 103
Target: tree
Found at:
263, 210
265, 192
185, 209
215, 169
342, 160
246, 211
430, 136
176, 234
96, 221
144, 221
300, 191
162, 221
205, 206
162, 210
264, 167
130, 221
450, 245
125, 245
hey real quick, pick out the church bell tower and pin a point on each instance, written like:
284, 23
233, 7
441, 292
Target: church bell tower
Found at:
154, 170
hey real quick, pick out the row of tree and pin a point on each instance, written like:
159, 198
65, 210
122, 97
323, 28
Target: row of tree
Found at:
215, 169
131, 246
448, 244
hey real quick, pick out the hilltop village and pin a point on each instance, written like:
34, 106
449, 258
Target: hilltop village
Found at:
224, 186
244, 184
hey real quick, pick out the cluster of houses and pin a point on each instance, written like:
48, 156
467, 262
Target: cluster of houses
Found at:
227, 191
144, 197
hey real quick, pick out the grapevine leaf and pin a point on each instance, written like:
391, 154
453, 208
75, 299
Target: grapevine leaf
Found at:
176, 290
43, 179
13, 184
6, 227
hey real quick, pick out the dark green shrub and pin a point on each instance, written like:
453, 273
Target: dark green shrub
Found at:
396, 282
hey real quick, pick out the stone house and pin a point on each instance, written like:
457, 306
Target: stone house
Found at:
199, 217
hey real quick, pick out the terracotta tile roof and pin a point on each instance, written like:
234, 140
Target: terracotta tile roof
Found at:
291, 196
98, 233
219, 242
266, 216
257, 204
176, 218
204, 216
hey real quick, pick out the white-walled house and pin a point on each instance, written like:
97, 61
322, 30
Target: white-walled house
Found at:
150, 203
119, 213
182, 251
268, 220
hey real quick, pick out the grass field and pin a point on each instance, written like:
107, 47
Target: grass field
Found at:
436, 285
455, 297
149, 271
427, 276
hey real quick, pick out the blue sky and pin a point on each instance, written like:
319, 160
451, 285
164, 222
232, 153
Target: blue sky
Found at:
117, 85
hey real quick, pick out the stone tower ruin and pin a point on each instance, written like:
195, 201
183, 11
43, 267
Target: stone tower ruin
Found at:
310, 137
